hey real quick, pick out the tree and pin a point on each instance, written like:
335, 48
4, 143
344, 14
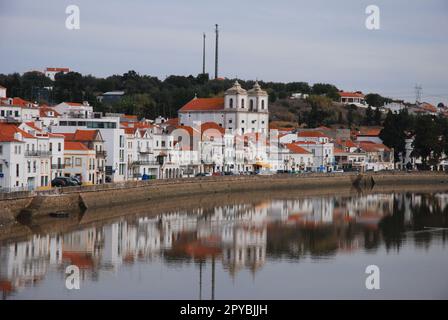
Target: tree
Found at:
377, 116
368, 120
350, 115
427, 141
375, 100
395, 130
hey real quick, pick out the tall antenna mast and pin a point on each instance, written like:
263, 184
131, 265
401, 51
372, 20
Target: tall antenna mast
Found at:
418, 93
216, 51
203, 55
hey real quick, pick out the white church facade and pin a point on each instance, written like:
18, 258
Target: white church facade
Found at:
240, 111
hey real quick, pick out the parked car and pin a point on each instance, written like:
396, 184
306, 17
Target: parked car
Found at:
228, 173
76, 180
63, 182
217, 174
203, 174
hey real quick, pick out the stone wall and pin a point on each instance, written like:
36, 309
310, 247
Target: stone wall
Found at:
107, 195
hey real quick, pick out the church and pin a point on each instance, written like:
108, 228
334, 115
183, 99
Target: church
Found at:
241, 111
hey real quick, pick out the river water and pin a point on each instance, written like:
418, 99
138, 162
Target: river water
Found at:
251, 247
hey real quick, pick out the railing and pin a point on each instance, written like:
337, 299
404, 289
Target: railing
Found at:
145, 163
37, 153
101, 153
144, 150
58, 166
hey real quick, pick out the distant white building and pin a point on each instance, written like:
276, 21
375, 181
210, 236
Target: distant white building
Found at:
74, 109
2, 92
51, 72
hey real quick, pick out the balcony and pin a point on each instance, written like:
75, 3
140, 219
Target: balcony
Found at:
37, 153
58, 166
145, 163
145, 150
101, 153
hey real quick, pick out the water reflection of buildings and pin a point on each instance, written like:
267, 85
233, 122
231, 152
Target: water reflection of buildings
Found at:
240, 236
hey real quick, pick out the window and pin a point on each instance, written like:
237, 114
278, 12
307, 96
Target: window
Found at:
51, 146
121, 141
242, 103
242, 121
16, 113
1, 167
1, 149
2, 113
231, 103
68, 162
262, 104
78, 162
17, 170
251, 105
59, 146
230, 121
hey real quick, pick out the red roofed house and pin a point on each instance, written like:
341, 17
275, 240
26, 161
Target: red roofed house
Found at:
24, 159
85, 156
79, 161
367, 134
299, 158
51, 72
356, 98
378, 156
17, 109
240, 111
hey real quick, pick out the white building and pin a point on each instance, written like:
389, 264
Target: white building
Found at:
240, 111
113, 135
51, 72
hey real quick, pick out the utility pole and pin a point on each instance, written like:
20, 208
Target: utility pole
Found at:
203, 55
216, 51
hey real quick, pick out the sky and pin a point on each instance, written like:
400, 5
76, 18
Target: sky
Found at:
282, 40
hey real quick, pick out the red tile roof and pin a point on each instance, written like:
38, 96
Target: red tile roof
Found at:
203, 104
81, 135
211, 125
345, 94
20, 102
130, 130
370, 132
172, 121
296, 149
372, 147
311, 134
44, 110
85, 135
8, 130
73, 104
32, 125
58, 69
74, 145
